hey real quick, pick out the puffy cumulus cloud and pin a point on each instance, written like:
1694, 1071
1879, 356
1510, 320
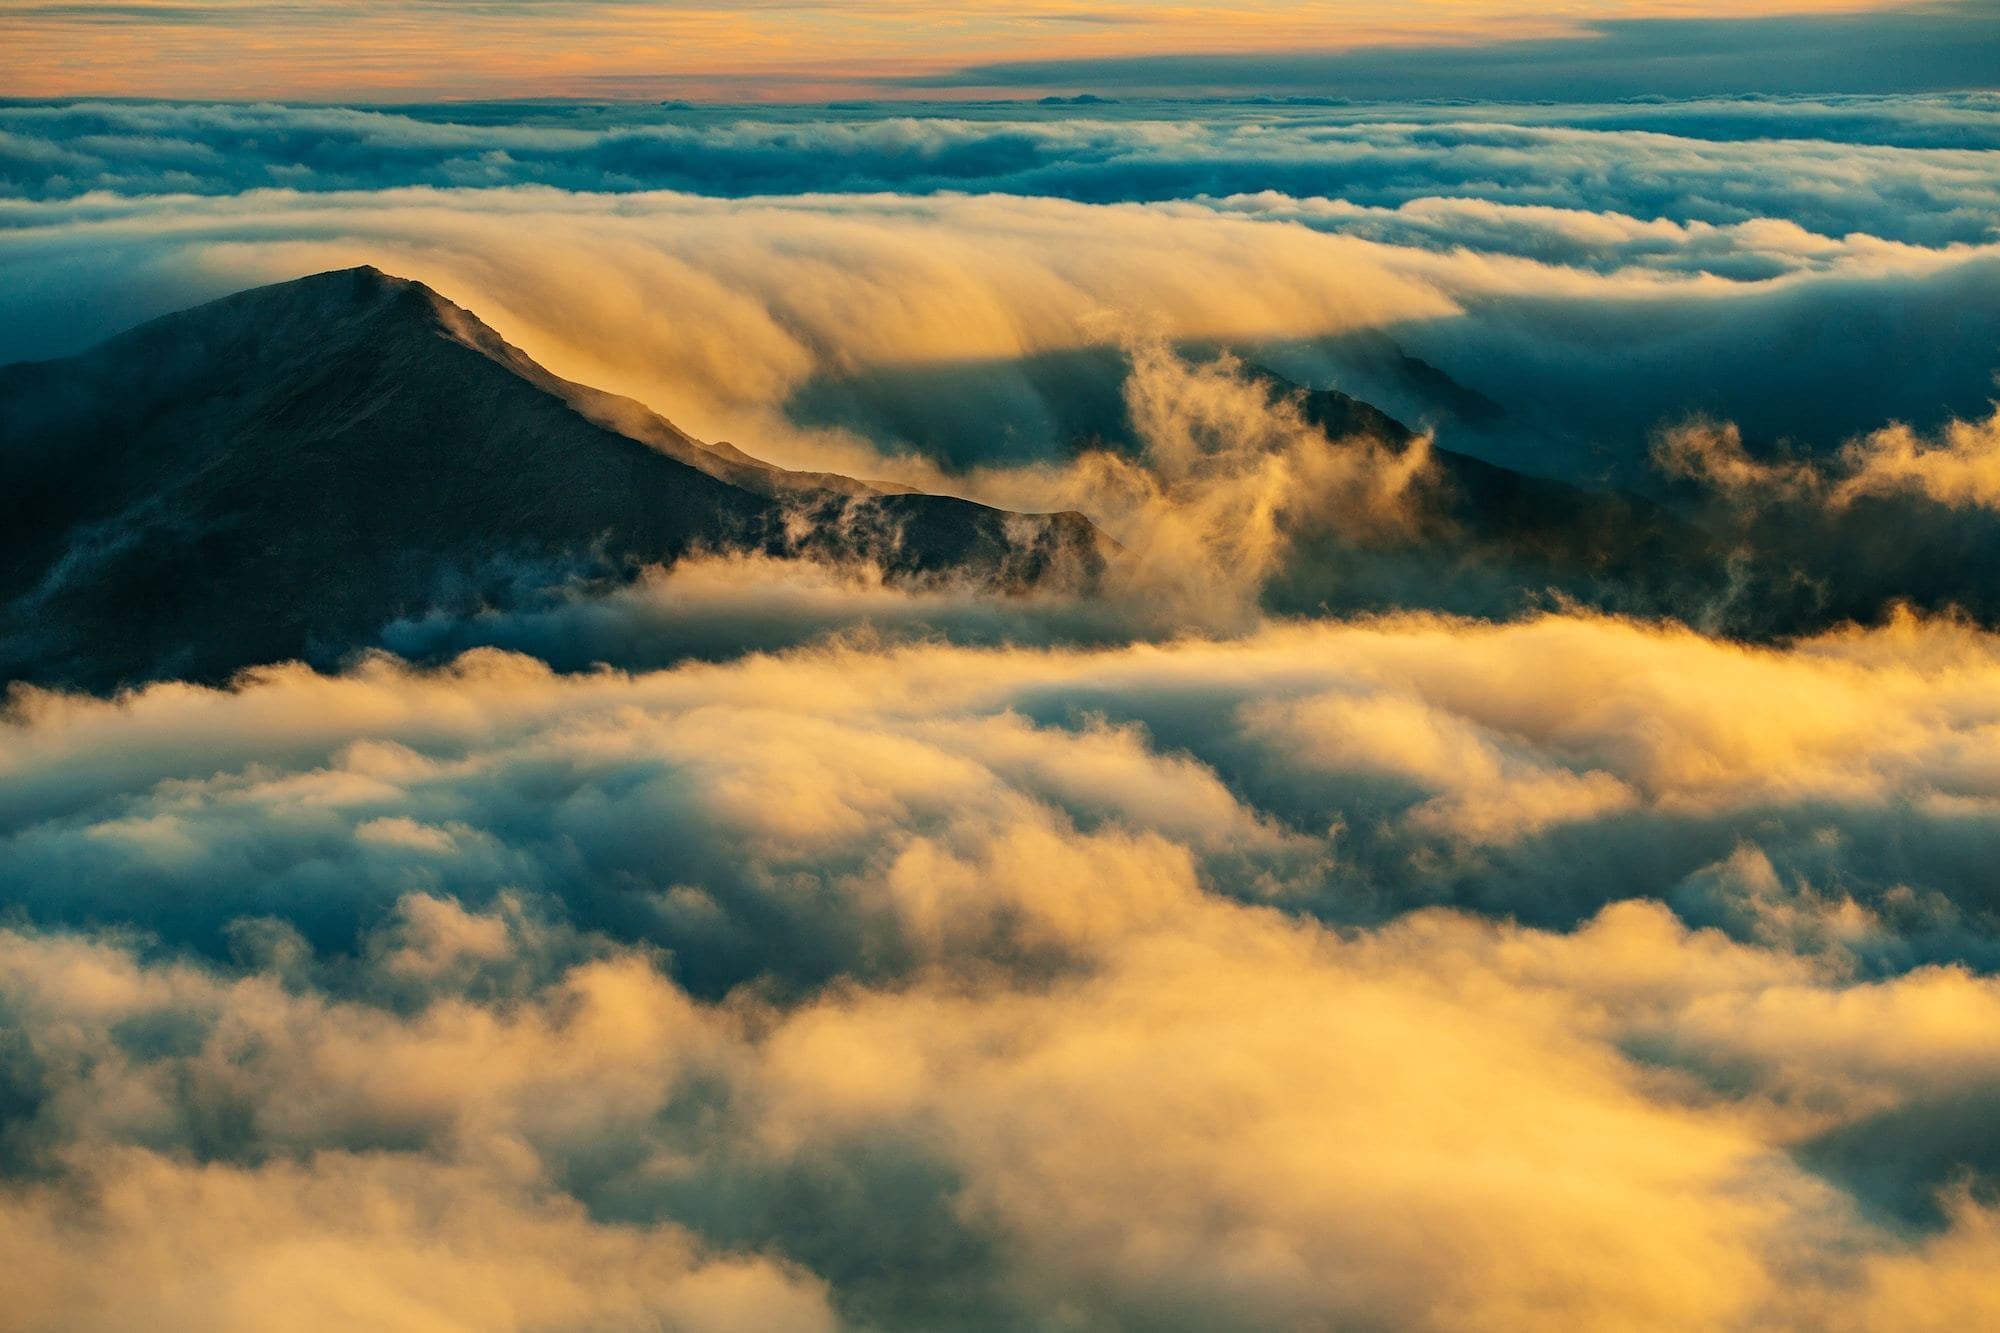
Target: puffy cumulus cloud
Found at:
813, 794
1960, 469
1222, 1110
1230, 474
1481, 789
1893, 515
1676, 713
1348, 770
1257, 1169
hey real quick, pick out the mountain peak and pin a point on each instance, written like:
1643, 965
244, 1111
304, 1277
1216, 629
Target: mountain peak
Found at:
363, 284
284, 471
365, 279
315, 316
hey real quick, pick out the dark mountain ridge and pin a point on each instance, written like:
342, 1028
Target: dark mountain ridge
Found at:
291, 471
1762, 563
280, 473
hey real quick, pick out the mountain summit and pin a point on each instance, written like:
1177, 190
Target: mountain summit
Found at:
280, 473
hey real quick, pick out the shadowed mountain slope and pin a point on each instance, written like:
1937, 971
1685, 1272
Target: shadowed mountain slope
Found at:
1484, 539
280, 473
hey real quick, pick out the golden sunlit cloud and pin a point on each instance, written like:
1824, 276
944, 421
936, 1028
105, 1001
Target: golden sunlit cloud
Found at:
1077, 977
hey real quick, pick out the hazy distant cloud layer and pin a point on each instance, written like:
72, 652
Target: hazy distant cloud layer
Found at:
1918, 170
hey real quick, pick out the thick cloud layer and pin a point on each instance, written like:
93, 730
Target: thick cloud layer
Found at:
878, 985
1896, 48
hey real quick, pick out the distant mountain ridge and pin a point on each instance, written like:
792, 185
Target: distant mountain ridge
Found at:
1761, 563
292, 471
280, 473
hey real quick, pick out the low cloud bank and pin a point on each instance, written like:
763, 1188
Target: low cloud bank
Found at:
900, 985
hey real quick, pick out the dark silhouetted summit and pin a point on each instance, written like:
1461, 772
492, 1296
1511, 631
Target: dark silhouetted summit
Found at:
280, 473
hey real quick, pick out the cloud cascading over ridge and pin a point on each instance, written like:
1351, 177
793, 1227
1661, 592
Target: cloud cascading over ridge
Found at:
1599, 271
678, 301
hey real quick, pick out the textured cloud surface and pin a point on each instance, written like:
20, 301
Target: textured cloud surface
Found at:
879, 985
1909, 168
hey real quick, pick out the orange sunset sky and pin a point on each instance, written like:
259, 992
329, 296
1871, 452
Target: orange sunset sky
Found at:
750, 50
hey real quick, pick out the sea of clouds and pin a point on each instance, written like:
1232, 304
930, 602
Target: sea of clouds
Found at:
763, 946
